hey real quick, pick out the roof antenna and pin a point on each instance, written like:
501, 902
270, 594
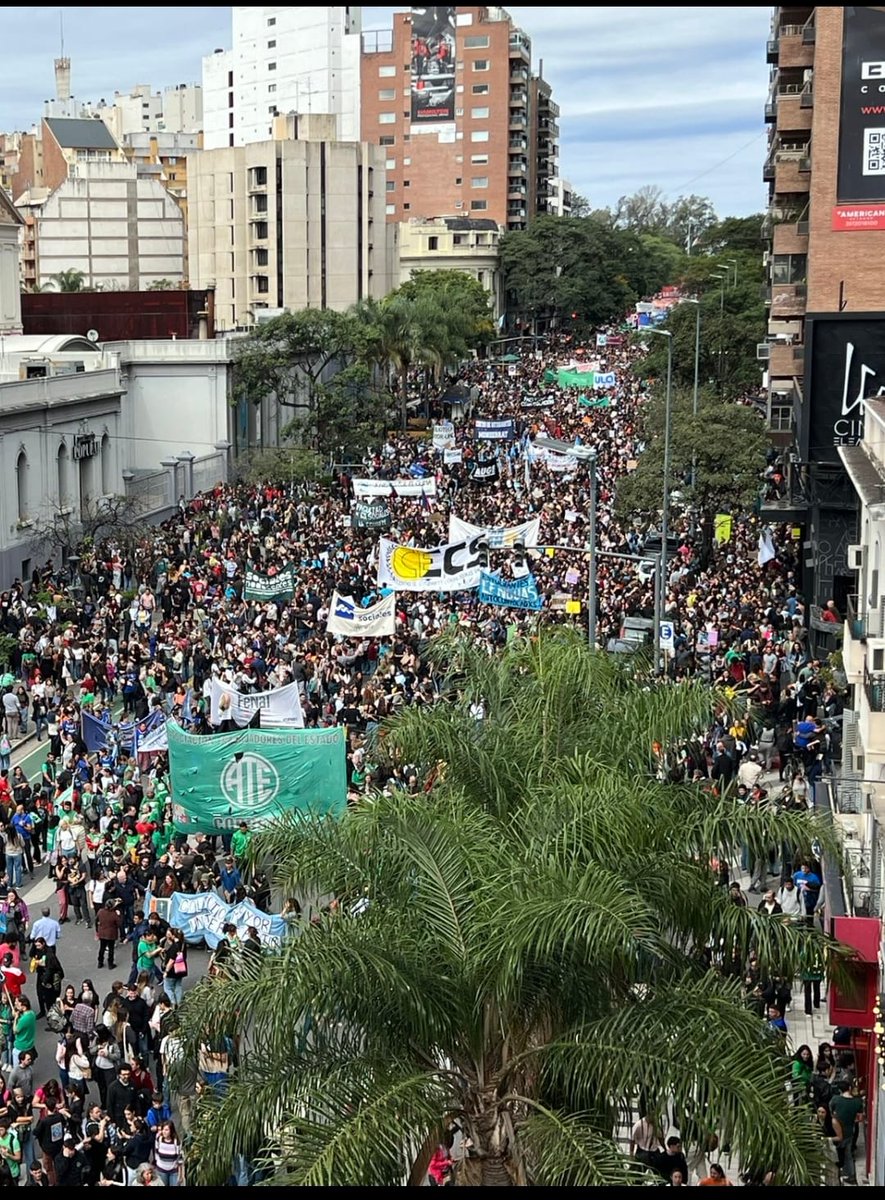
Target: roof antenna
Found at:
61, 22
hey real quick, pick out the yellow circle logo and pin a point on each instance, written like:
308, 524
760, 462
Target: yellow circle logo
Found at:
408, 563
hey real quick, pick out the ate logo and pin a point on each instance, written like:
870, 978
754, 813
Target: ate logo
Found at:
249, 782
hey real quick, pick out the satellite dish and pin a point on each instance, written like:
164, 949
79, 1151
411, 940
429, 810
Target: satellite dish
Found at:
92, 335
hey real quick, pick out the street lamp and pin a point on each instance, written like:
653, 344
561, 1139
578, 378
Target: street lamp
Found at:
733, 262
665, 515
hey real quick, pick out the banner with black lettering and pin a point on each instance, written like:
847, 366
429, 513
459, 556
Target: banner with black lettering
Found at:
452, 568
279, 708
494, 431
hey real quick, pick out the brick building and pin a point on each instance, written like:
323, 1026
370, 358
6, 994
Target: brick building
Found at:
469, 130
826, 290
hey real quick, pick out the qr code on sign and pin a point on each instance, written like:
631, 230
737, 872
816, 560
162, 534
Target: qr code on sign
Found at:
874, 152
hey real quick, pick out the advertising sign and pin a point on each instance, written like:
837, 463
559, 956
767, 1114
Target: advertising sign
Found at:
847, 367
861, 171
254, 776
433, 67
452, 568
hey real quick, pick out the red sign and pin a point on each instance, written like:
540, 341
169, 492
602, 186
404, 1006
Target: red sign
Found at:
859, 216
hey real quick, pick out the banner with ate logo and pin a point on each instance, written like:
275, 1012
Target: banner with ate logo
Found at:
269, 587
348, 619
255, 776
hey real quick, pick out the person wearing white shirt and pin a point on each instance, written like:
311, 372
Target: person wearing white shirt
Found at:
788, 899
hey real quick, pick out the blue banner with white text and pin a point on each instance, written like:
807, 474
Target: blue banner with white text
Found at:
509, 593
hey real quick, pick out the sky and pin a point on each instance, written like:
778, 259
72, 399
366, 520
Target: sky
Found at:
665, 96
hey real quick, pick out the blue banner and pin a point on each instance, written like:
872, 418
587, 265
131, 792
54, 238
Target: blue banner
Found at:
95, 733
509, 593
201, 916
494, 431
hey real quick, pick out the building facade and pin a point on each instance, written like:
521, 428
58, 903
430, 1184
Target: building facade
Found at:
467, 129
295, 221
292, 59
454, 244
165, 156
825, 225
10, 287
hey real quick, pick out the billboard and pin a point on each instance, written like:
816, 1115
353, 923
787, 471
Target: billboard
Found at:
433, 67
861, 171
847, 367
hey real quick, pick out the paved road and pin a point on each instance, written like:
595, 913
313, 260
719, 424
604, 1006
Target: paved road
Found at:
77, 948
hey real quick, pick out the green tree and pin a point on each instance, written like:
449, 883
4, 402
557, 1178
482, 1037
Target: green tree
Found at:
288, 356
161, 285
349, 413
725, 446
519, 950
70, 281
646, 211
455, 292
688, 219
734, 233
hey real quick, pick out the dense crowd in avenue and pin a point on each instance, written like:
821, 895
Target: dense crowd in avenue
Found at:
146, 631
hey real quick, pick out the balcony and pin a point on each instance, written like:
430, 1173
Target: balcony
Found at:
519, 97
874, 690
518, 121
770, 110
790, 238
807, 98
853, 644
515, 167
791, 173
519, 75
785, 361
793, 49
792, 115
772, 47
787, 300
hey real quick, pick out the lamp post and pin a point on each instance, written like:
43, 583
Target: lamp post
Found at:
733, 262
665, 514
591, 595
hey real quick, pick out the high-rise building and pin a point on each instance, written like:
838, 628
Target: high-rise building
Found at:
468, 130
825, 230
294, 221
292, 59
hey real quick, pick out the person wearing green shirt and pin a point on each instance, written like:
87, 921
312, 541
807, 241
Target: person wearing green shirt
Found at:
24, 1027
10, 1149
6, 1018
147, 953
239, 842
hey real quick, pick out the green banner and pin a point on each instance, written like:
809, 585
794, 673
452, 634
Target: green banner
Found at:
582, 379
254, 775
595, 401
269, 587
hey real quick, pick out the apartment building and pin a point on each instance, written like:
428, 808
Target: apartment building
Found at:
466, 126
825, 294
454, 244
292, 59
294, 221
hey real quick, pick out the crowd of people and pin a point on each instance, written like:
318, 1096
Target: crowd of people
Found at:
157, 619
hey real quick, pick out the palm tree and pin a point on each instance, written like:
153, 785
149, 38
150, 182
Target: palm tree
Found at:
70, 280
530, 950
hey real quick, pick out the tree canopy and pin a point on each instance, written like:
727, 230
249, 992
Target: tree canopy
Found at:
525, 950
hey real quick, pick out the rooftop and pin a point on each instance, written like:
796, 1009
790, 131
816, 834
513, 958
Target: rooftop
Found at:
81, 133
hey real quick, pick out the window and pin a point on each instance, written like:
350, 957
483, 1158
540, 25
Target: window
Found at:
272, 110
477, 205
479, 112
271, 66
271, 20
407, 207
479, 160
21, 485
433, 243
458, 180
479, 181
259, 229
407, 162
61, 465
476, 42
107, 482
406, 182
480, 89
481, 64
390, 164
391, 185
387, 139
390, 209
789, 268
387, 94
271, 87
387, 72
459, 112
272, 45
386, 118
479, 135
261, 284
458, 239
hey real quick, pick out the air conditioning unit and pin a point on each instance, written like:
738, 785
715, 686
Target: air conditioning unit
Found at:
765, 257
763, 351
855, 558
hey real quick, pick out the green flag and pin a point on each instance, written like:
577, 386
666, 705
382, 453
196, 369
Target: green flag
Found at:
269, 587
254, 775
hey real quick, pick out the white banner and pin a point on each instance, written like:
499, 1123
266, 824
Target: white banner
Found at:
394, 487
154, 741
453, 568
279, 708
558, 447
443, 435
347, 618
452, 456
496, 535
